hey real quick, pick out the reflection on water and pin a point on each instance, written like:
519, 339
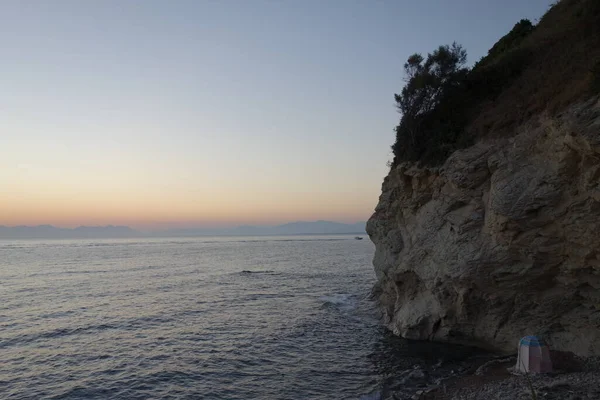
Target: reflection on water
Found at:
231, 318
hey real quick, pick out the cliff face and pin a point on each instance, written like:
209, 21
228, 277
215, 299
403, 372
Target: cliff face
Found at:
501, 241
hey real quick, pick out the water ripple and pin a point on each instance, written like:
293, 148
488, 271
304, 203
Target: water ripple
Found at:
200, 319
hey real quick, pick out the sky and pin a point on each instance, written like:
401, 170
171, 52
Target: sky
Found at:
166, 114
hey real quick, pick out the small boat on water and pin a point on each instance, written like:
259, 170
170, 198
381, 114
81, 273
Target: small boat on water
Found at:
358, 238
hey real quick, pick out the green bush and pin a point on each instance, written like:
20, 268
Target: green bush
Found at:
441, 96
508, 42
531, 70
424, 106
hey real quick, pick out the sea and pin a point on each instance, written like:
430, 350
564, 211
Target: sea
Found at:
288, 317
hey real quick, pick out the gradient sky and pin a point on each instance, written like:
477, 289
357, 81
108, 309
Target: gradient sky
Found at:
208, 113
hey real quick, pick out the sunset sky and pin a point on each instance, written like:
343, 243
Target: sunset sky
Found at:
211, 113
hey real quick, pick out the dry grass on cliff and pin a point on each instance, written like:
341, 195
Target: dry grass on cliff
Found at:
561, 65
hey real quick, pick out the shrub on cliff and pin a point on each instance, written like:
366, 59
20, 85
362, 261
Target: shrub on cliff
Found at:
441, 95
529, 71
508, 42
423, 100
595, 87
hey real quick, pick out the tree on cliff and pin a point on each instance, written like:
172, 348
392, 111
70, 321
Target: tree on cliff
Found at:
428, 82
532, 70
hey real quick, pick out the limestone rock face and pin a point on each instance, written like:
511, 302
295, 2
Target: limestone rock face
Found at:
500, 242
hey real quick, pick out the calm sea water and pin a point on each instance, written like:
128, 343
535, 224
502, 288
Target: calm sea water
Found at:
201, 318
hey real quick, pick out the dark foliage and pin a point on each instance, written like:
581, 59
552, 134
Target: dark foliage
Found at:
595, 86
440, 96
532, 69
429, 82
508, 42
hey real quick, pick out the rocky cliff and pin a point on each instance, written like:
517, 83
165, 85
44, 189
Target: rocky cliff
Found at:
501, 241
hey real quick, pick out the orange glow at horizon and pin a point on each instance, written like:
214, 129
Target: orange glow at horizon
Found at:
147, 214
157, 209
145, 184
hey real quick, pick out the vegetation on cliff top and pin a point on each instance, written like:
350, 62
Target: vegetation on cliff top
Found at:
531, 70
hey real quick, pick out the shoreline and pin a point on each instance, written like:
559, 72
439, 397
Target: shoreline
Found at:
573, 378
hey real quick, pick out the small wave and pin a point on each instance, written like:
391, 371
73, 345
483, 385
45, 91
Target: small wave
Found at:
130, 324
262, 296
372, 396
266, 271
94, 271
337, 299
55, 333
308, 240
278, 239
416, 374
342, 301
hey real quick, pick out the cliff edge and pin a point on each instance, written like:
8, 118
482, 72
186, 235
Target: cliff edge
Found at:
501, 240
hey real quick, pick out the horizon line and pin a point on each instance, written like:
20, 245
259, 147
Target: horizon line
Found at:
110, 225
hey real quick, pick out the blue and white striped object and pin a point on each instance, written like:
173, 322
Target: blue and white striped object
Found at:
532, 341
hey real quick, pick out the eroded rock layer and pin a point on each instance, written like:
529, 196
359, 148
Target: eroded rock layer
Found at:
501, 241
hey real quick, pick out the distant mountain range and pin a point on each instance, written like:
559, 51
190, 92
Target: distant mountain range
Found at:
110, 231
52, 232
292, 228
